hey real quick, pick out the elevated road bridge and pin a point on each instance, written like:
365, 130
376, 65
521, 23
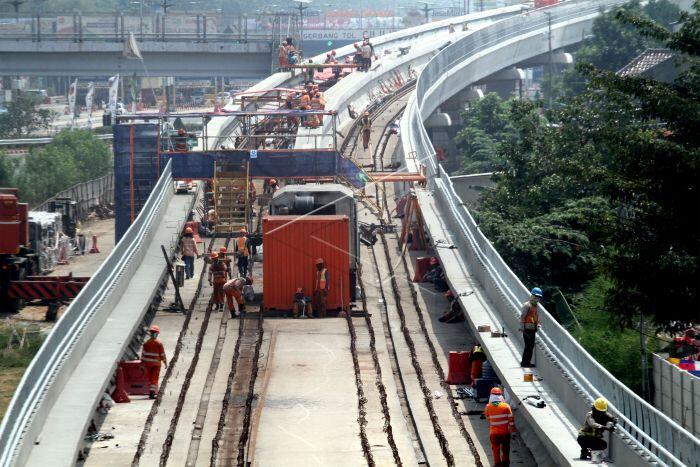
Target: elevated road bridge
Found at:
440, 64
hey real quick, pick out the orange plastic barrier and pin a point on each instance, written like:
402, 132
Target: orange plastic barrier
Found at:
422, 267
458, 371
135, 377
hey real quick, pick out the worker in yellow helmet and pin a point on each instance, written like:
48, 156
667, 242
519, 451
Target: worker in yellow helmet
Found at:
590, 436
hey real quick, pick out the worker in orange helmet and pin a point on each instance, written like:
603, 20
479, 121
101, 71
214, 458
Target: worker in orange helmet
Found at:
501, 425
217, 279
274, 185
234, 289
242, 252
189, 251
181, 140
152, 354
321, 284
223, 256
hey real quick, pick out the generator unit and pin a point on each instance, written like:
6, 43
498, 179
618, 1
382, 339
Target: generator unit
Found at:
328, 199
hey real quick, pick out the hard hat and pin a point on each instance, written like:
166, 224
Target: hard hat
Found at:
319, 261
189, 230
154, 328
537, 292
366, 114
223, 249
243, 230
497, 391
181, 131
333, 52
433, 260
449, 294
601, 404
215, 255
272, 181
300, 290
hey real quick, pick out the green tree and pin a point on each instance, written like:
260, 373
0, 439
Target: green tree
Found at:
23, 118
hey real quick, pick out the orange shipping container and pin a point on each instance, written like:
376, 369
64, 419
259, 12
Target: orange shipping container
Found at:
291, 245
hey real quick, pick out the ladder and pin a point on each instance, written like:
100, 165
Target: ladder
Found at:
231, 198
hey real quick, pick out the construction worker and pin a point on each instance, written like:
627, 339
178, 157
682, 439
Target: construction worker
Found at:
366, 124
590, 436
242, 252
454, 314
217, 279
321, 284
152, 354
188, 248
234, 289
299, 303
501, 425
529, 322
181, 140
477, 357
223, 256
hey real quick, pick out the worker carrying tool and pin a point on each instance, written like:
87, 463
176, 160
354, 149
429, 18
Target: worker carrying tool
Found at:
366, 129
320, 288
242, 252
501, 425
234, 289
188, 248
217, 279
152, 354
590, 436
529, 323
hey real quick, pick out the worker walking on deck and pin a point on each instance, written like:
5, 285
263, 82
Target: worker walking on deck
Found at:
366, 124
224, 258
217, 279
529, 322
320, 289
501, 425
188, 248
152, 354
590, 436
242, 252
233, 289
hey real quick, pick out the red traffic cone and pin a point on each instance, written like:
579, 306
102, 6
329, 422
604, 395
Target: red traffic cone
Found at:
119, 395
94, 248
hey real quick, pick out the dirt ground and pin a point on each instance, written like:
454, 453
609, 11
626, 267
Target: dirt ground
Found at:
9, 379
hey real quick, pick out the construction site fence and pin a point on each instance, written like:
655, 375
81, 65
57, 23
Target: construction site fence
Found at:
677, 393
87, 195
653, 433
70, 338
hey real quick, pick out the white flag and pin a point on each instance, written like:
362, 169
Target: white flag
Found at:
71, 98
131, 48
88, 103
113, 92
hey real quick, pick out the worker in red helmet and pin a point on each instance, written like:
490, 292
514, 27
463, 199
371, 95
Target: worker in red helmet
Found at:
233, 289
189, 251
321, 284
181, 140
152, 354
242, 252
217, 279
299, 303
274, 185
223, 256
501, 425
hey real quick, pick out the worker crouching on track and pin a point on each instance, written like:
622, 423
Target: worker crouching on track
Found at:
152, 354
234, 289
242, 252
501, 425
217, 279
590, 436
320, 289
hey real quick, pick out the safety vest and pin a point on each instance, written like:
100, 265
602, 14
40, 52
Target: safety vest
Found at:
531, 319
153, 352
500, 418
218, 269
242, 245
321, 283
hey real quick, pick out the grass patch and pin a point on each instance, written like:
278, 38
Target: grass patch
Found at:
18, 345
618, 351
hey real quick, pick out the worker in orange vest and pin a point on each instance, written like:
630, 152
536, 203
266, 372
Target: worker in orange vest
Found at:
242, 252
234, 289
152, 354
320, 288
217, 279
501, 425
529, 322
223, 256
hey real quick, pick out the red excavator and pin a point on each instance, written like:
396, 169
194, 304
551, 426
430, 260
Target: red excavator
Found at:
19, 264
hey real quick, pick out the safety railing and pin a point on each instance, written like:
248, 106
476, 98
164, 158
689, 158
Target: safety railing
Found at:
655, 435
86, 195
70, 338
